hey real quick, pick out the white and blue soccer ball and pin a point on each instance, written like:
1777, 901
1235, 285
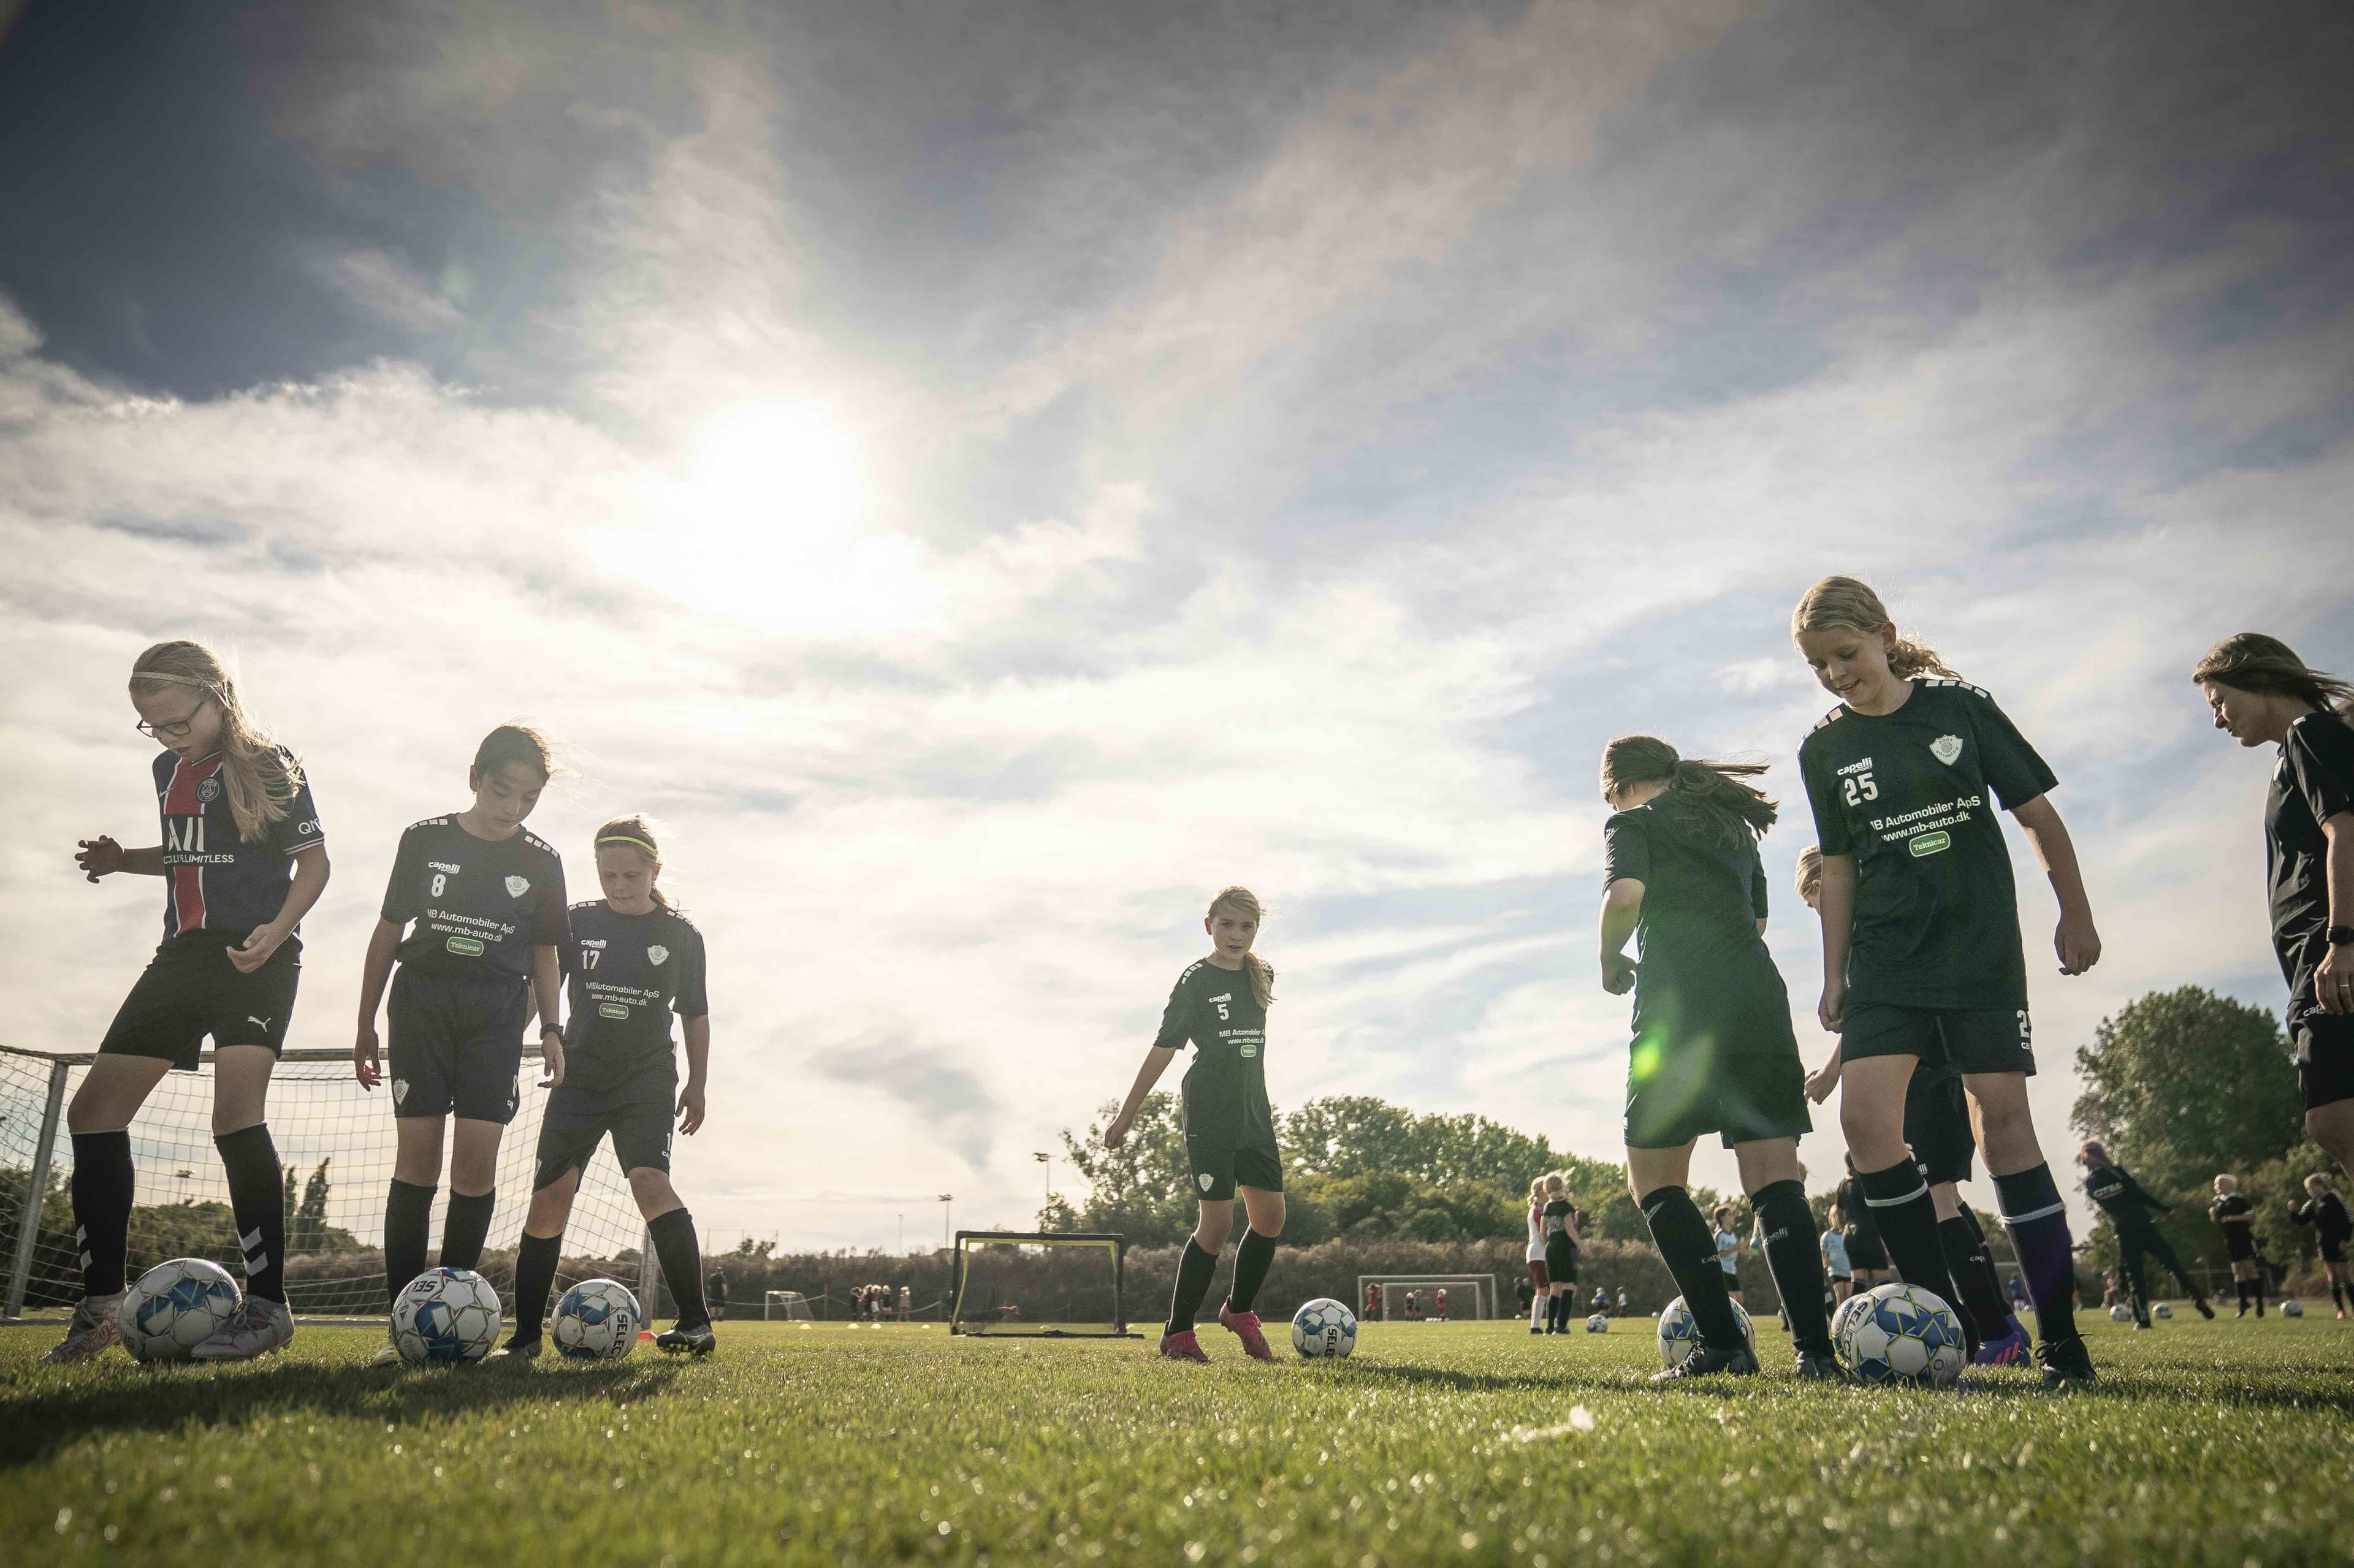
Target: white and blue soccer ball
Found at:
1598, 1324
1857, 1302
2291, 1308
1679, 1332
2163, 1310
1902, 1334
2120, 1313
1324, 1328
597, 1320
174, 1308
446, 1315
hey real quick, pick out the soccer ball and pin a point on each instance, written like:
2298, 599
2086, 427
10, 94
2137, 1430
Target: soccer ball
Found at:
1855, 1303
1324, 1328
174, 1308
2120, 1313
446, 1315
2163, 1310
1679, 1334
1902, 1334
597, 1320
2291, 1308
1598, 1324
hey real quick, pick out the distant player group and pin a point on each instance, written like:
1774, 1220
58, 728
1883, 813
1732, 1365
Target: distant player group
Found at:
475, 939
1925, 984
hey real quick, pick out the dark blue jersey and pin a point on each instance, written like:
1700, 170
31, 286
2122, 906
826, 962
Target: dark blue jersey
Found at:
628, 973
480, 905
213, 880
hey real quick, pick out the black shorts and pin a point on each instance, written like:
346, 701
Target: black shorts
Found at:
190, 989
1217, 1172
2332, 1250
2240, 1244
638, 1114
1967, 1039
1682, 1087
1866, 1254
457, 1048
1937, 1126
2325, 1058
1561, 1263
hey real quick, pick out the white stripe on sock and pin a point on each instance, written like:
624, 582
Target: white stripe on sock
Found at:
2014, 1220
1894, 1203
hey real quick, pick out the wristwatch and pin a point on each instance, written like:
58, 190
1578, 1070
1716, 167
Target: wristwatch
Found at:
2339, 935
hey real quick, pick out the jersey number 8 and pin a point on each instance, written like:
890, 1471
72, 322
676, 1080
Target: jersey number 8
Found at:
1860, 789
440, 880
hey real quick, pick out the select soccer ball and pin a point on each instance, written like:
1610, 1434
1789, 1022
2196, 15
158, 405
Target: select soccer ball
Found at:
2120, 1313
597, 1320
2163, 1310
2291, 1308
1848, 1309
1679, 1334
174, 1308
1324, 1328
1903, 1335
446, 1315
1598, 1324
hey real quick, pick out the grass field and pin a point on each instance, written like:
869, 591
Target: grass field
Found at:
2214, 1443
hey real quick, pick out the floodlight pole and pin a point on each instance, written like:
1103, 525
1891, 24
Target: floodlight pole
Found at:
946, 1200
1048, 1162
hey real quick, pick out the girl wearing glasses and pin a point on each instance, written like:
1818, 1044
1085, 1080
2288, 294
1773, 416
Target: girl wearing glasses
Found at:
243, 860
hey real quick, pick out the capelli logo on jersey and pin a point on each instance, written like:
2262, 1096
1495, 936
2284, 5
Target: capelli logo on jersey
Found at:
1862, 766
1945, 749
517, 886
447, 867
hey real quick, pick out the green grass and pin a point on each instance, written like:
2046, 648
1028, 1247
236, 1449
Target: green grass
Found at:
2220, 1443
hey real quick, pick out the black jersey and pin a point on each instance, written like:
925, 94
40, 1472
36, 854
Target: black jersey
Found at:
628, 973
1556, 1215
2232, 1211
2312, 783
1704, 968
481, 905
1861, 1226
2121, 1198
1907, 794
213, 880
2329, 1217
1225, 1088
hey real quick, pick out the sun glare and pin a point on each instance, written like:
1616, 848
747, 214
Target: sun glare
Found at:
778, 465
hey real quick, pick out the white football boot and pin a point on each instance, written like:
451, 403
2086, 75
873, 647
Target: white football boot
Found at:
93, 1328
259, 1327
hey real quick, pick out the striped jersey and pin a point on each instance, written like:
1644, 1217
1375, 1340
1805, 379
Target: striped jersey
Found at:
213, 880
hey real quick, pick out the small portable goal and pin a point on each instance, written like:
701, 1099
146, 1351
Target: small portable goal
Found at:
1414, 1297
785, 1306
1039, 1285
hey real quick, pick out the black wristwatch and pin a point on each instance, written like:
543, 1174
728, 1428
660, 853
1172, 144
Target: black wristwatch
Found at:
2339, 935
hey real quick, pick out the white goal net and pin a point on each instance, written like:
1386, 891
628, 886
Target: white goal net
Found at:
785, 1306
337, 1142
1426, 1298
1055, 1284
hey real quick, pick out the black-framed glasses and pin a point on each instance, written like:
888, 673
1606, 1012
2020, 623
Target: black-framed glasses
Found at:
173, 729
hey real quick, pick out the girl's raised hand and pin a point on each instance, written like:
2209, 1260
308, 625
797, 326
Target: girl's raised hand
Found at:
100, 856
364, 1065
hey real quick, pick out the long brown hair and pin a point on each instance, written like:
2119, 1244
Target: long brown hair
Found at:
517, 742
2252, 661
1849, 603
1710, 794
633, 832
1243, 901
259, 779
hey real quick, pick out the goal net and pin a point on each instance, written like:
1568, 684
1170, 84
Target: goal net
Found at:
785, 1306
1030, 1282
337, 1142
1426, 1298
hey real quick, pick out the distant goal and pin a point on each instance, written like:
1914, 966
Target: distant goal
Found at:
1039, 1285
1426, 1298
785, 1306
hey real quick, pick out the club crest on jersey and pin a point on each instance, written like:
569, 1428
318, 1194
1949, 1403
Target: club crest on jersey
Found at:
657, 954
209, 791
517, 886
1206, 1180
1946, 747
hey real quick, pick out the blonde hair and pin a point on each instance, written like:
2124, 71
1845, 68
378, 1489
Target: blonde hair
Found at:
1243, 901
1848, 603
260, 779
635, 833
1809, 881
1553, 1184
2227, 1182
1536, 1189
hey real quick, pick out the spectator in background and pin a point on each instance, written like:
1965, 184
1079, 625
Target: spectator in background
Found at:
715, 1295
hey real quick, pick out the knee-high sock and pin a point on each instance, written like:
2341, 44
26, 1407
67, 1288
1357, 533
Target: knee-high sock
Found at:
2038, 1223
1986, 1263
2338, 1294
1981, 1299
1688, 1249
259, 1201
1194, 1268
2163, 1250
1899, 1201
102, 1184
1796, 1256
465, 1227
682, 1265
2129, 1265
535, 1278
1539, 1305
1557, 1311
1251, 1260
408, 1216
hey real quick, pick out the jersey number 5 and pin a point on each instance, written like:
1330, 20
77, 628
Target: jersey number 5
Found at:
1860, 789
1221, 1006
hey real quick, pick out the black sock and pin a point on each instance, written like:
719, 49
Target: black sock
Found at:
1795, 1253
1251, 1259
535, 1278
465, 1227
1981, 1300
1689, 1248
2256, 1289
102, 1184
681, 1266
1552, 1314
2038, 1223
407, 1215
1993, 1276
1907, 1220
1194, 1268
2338, 1294
258, 1198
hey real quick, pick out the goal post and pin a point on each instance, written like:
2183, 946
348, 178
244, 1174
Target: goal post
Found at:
1414, 1297
337, 1142
1039, 1285
785, 1306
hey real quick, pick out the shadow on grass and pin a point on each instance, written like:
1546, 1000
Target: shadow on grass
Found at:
35, 1419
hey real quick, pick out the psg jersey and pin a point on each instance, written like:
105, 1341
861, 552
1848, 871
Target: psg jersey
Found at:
480, 905
627, 974
213, 880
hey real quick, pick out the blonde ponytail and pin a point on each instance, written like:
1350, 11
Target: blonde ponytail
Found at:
1243, 901
1849, 604
259, 779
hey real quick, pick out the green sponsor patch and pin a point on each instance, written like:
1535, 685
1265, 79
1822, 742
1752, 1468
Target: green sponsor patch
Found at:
613, 1009
464, 947
1930, 844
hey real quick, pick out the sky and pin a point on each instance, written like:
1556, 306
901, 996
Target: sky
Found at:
986, 477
